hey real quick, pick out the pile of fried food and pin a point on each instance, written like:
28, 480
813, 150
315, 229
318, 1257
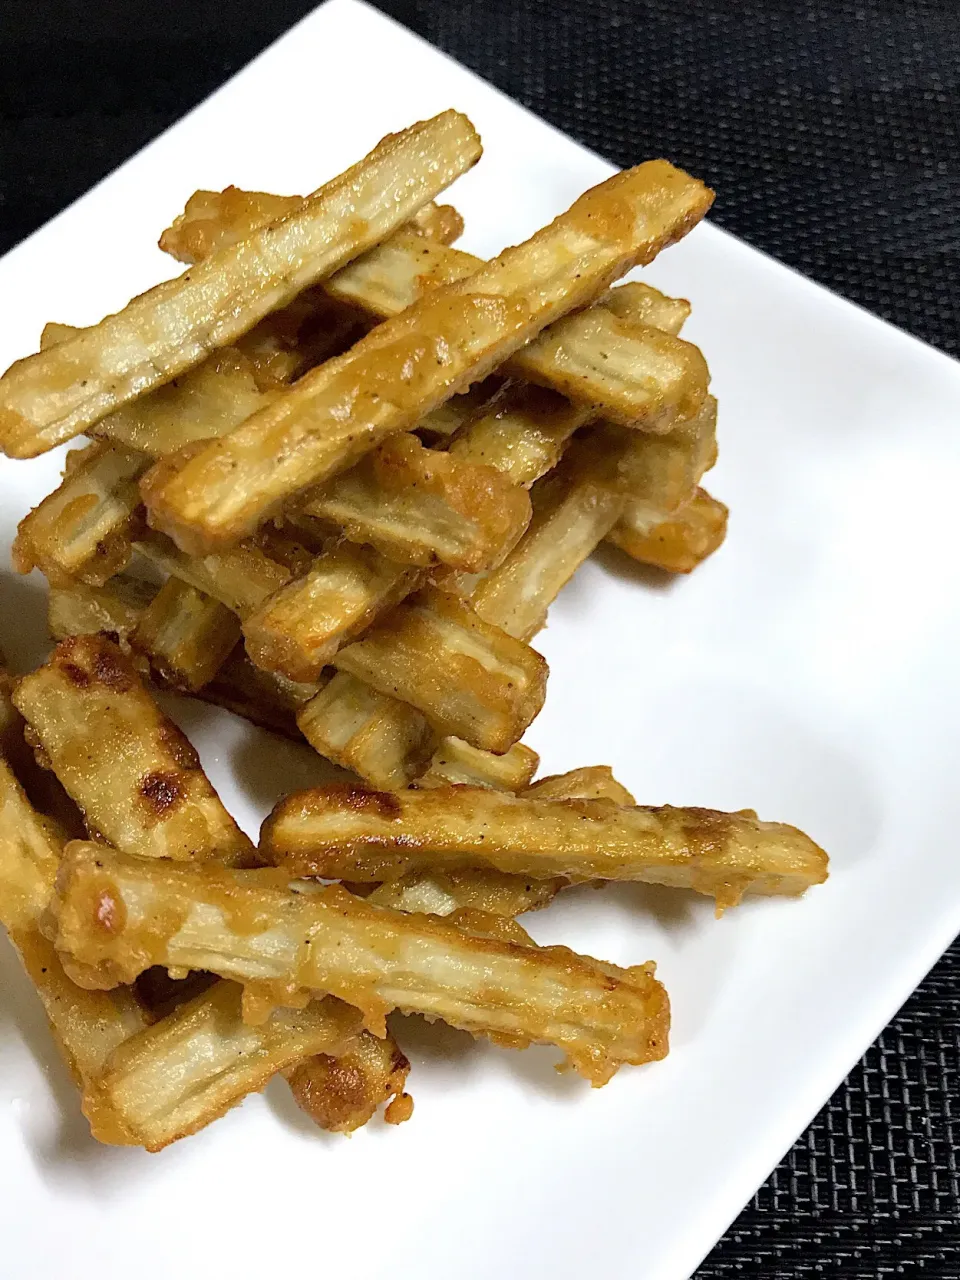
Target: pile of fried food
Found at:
337, 472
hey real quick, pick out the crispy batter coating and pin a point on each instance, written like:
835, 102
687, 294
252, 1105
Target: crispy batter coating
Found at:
469, 679
213, 220
186, 635
133, 774
382, 740
676, 541
590, 782
413, 362
192, 1066
116, 916
346, 833
297, 630
54, 395
456, 761
423, 507
340, 1093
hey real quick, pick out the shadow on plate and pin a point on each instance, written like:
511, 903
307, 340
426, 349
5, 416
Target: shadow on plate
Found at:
63, 1150
619, 565
268, 767
24, 639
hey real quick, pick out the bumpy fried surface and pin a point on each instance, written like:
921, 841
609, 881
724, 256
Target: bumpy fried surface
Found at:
591, 782
423, 507
413, 362
344, 833
54, 395
192, 1066
134, 776
455, 761
676, 542
469, 679
116, 916
382, 740
298, 629
342, 1093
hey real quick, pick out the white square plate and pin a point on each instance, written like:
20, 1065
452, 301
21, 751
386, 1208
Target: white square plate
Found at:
808, 671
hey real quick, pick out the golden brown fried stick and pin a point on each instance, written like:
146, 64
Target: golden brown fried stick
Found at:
297, 630
591, 782
241, 578
383, 740
212, 220
676, 542
54, 395
607, 359
82, 530
499, 893
573, 512
342, 833
617, 357
86, 1025
456, 761
468, 678
413, 362
186, 635
132, 773
423, 507
115, 608
116, 916
192, 1066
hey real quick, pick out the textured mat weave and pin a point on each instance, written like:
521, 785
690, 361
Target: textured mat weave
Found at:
832, 133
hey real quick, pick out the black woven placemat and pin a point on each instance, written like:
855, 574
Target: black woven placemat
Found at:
832, 133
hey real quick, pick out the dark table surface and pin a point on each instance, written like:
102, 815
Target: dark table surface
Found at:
831, 131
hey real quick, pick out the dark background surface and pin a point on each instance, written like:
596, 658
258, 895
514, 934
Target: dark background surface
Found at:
831, 133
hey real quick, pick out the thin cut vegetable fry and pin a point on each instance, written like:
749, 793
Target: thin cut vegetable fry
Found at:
501, 893
29, 856
192, 1066
469, 679
54, 395
85, 1024
455, 762
82, 530
382, 740
661, 471
423, 507
213, 220
573, 513
135, 777
117, 915
87, 1027
116, 607
677, 541
340, 833
241, 578
298, 629
523, 436
186, 635
413, 362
